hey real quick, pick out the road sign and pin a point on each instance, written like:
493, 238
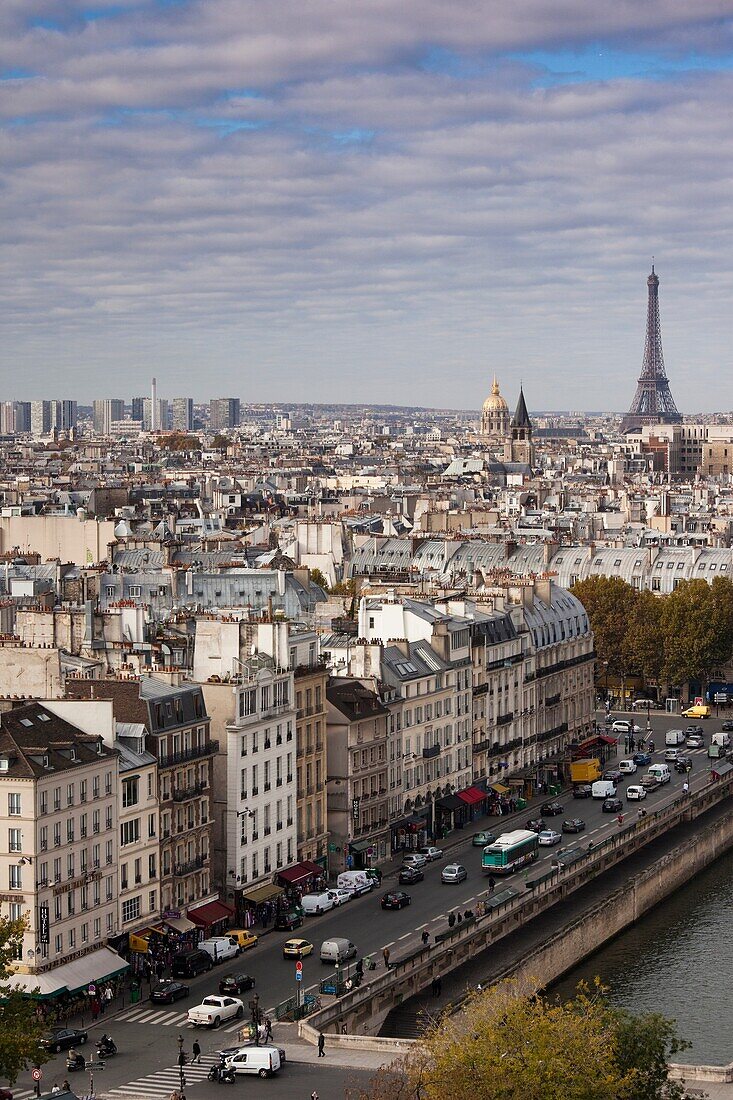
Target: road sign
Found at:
299, 975
37, 1073
92, 989
299, 967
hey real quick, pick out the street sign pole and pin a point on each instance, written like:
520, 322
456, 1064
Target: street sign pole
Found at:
298, 983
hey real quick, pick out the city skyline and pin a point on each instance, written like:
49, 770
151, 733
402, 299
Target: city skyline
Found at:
383, 205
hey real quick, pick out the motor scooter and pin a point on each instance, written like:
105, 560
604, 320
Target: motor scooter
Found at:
222, 1075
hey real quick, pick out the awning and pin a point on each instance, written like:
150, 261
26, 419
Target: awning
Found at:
607, 740
472, 795
262, 893
211, 913
450, 802
180, 924
515, 782
499, 788
360, 845
97, 966
299, 872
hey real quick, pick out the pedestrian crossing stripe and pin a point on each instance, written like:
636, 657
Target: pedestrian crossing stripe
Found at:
165, 1081
170, 1019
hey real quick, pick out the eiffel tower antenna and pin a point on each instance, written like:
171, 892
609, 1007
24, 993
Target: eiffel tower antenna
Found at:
653, 402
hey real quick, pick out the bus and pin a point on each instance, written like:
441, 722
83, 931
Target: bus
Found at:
510, 851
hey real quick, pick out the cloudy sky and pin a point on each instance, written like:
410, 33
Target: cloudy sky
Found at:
365, 200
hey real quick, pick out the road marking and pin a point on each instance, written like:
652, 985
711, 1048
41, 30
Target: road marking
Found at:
406, 936
467, 901
390, 944
441, 917
421, 926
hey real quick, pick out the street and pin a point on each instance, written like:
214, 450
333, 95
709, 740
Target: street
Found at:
146, 1035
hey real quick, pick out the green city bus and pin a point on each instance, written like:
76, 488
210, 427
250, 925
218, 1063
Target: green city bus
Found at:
510, 851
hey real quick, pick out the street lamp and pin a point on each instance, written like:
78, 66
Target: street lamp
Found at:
181, 1063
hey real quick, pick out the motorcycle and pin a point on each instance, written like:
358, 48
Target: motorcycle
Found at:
78, 1063
222, 1075
106, 1050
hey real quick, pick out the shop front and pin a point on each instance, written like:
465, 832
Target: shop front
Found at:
302, 878
475, 799
258, 905
213, 918
411, 832
361, 855
451, 812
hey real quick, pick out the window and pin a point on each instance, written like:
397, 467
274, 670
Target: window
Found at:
57, 835
152, 872
85, 933
14, 805
130, 792
109, 854
266, 697
135, 590
152, 900
72, 939
59, 942
83, 791
97, 928
109, 817
95, 786
70, 830
151, 825
130, 831
247, 702
15, 877
95, 821
70, 794
14, 840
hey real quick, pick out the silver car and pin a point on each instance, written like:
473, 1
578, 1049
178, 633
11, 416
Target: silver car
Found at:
453, 872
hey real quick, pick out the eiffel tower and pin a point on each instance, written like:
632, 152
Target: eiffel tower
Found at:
653, 402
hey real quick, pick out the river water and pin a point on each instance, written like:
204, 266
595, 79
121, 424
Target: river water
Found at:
678, 960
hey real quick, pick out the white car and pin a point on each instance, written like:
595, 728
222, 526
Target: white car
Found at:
548, 837
340, 897
414, 859
623, 725
635, 793
671, 755
453, 872
431, 853
695, 741
215, 1010
628, 767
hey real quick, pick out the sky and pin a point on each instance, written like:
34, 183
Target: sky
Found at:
365, 200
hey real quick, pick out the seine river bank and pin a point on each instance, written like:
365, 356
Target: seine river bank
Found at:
678, 960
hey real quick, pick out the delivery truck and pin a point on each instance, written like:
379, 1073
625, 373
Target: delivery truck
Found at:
585, 771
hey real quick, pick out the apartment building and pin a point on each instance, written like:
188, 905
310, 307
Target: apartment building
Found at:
59, 847
139, 817
311, 678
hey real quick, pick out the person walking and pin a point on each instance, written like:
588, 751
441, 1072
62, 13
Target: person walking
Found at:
385, 956
196, 1052
268, 1029
620, 820
321, 1045
451, 919
314, 1095
425, 937
492, 884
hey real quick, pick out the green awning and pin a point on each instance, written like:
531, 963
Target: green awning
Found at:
360, 845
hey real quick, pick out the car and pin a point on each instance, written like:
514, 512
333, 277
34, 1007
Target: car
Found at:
695, 741
683, 764
453, 872
693, 729
642, 758
63, 1038
643, 704
236, 983
230, 1052
480, 840
297, 949
670, 755
548, 837
573, 825
5, 1094
536, 824
410, 875
168, 990
612, 806
431, 853
552, 809
613, 775
582, 790
395, 899
698, 710
287, 922
340, 896
727, 726
622, 725
214, 1011
635, 793
413, 859
650, 782
244, 938
626, 767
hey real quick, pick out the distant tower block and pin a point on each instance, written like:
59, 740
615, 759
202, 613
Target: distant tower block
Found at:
653, 402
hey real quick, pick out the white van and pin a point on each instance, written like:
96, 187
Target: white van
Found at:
264, 1061
674, 737
660, 772
356, 882
314, 904
603, 788
722, 739
220, 948
337, 951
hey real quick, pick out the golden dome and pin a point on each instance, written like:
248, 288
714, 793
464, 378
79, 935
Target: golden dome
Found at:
495, 401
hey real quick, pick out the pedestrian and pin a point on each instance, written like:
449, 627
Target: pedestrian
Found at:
385, 956
321, 1045
360, 969
314, 1095
451, 919
55, 1089
651, 746
685, 787
66, 1087
160, 969
492, 884
196, 1052
620, 820
425, 937
459, 919
268, 1028
95, 1009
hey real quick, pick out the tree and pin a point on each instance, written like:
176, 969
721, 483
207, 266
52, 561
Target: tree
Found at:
220, 442
318, 578
20, 1029
644, 1047
644, 640
610, 603
696, 629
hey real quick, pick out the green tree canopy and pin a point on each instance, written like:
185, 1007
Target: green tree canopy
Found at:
697, 624
20, 1030
611, 604
318, 578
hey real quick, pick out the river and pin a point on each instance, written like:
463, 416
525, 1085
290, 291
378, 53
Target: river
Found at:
678, 960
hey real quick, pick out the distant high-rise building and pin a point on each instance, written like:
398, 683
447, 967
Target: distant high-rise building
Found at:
155, 424
138, 408
63, 415
159, 421
223, 413
22, 417
653, 402
107, 409
7, 418
40, 418
182, 414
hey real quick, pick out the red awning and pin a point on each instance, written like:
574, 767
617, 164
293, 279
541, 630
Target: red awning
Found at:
300, 871
607, 740
472, 795
210, 913
314, 868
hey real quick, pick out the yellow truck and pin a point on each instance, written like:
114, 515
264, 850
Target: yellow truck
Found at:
586, 770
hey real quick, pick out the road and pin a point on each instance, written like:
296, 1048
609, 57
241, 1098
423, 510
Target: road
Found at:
146, 1035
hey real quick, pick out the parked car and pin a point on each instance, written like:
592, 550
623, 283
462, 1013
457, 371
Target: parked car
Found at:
414, 859
215, 1010
63, 1038
297, 949
431, 853
582, 790
573, 825
623, 725
548, 837
536, 824
552, 809
643, 704
395, 899
340, 896
635, 793
287, 922
683, 763
220, 948
410, 875
642, 758
453, 872
480, 840
236, 983
613, 775
612, 806
695, 741
168, 991
626, 767
244, 938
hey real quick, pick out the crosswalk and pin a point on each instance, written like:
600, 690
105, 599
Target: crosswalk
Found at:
159, 1085
167, 1018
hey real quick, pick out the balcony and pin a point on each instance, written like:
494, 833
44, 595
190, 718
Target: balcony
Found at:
505, 719
198, 752
430, 751
182, 794
552, 700
188, 868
